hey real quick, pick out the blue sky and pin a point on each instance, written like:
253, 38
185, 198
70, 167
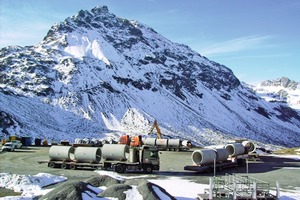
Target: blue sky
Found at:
258, 39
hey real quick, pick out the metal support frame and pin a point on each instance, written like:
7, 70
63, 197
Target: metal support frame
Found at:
236, 186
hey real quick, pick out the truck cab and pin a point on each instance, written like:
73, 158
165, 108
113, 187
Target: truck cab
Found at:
149, 158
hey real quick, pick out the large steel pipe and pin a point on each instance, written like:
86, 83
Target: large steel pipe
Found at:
235, 149
162, 143
61, 153
204, 156
250, 146
174, 142
222, 154
149, 141
88, 154
115, 152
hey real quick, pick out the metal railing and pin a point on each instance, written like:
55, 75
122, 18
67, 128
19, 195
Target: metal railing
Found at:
239, 186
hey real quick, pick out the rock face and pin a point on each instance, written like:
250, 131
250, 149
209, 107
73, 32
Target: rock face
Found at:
98, 75
281, 82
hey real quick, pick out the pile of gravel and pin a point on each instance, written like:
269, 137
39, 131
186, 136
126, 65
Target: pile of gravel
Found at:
114, 189
68, 190
145, 188
104, 180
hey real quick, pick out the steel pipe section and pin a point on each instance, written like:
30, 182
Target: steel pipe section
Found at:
250, 146
149, 141
235, 149
61, 153
87, 154
174, 143
162, 143
115, 152
204, 156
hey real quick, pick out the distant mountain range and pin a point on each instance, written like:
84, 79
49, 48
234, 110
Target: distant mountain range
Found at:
99, 75
280, 90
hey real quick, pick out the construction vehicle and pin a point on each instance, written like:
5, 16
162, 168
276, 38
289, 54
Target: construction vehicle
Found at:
155, 125
211, 160
117, 157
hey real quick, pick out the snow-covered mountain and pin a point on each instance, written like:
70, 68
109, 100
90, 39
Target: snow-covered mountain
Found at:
98, 75
280, 90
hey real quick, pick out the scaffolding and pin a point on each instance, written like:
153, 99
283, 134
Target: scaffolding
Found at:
233, 186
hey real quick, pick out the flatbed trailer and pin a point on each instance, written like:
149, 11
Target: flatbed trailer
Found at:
119, 167
237, 161
71, 165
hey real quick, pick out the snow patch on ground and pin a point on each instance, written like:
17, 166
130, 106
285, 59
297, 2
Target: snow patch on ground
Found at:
179, 188
120, 177
133, 194
30, 185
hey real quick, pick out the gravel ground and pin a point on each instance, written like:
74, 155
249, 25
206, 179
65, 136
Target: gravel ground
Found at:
270, 169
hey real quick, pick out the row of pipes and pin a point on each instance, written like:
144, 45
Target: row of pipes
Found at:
88, 154
121, 152
206, 156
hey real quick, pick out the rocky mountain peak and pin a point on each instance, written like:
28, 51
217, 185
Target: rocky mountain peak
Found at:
97, 33
100, 10
82, 20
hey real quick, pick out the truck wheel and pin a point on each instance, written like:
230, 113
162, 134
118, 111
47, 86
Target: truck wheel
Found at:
119, 168
148, 169
72, 166
51, 164
64, 166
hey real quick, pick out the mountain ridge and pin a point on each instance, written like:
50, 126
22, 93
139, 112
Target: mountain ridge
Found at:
282, 90
98, 75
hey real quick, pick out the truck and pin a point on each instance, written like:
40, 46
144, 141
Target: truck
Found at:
210, 160
118, 157
155, 125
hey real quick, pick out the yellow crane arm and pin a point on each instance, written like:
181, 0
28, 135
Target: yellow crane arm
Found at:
155, 125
